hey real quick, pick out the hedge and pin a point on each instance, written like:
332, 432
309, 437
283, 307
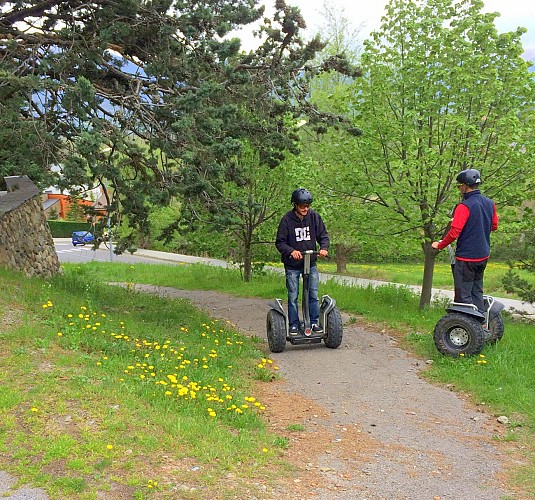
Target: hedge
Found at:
64, 229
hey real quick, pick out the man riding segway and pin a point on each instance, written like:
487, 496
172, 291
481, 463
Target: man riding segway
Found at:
299, 231
474, 218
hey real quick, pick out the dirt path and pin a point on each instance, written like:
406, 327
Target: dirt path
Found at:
373, 428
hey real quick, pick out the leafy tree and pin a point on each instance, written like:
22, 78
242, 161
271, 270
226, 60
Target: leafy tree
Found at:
75, 212
327, 149
241, 208
443, 91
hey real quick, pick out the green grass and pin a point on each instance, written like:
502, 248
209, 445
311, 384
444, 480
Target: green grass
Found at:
101, 388
87, 367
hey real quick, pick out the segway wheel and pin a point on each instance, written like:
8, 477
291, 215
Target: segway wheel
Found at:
276, 331
334, 329
457, 334
497, 329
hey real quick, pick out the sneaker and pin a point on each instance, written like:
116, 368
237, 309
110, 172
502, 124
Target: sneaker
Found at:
317, 328
294, 330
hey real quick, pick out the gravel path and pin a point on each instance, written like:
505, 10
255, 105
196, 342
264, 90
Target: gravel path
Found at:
395, 436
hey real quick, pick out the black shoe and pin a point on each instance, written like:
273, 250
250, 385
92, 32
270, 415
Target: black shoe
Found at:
294, 330
317, 328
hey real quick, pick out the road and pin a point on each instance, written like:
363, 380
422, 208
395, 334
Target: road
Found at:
79, 254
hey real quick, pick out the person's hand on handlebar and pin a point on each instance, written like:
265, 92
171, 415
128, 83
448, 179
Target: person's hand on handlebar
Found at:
297, 255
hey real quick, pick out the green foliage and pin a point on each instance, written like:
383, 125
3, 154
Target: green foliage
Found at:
518, 248
238, 212
149, 102
64, 229
26, 146
442, 91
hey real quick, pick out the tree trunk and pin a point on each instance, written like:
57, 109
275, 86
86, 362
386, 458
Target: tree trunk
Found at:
247, 261
429, 266
341, 257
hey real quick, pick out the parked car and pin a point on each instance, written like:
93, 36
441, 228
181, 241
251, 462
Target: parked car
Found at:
82, 237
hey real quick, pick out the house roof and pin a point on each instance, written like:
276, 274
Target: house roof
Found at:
20, 189
49, 203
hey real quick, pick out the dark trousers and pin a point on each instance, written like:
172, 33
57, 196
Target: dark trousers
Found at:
468, 279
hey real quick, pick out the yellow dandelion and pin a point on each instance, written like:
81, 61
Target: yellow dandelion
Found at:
34, 410
109, 446
60, 334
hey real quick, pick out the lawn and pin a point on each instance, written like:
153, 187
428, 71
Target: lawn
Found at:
412, 274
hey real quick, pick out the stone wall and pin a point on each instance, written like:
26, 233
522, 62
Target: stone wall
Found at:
26, 243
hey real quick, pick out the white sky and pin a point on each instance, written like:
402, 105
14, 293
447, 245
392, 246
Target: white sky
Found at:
367, 14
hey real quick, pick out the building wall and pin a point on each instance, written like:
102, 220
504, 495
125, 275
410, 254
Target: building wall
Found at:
26, 243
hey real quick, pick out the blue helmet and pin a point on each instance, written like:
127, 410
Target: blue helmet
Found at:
301, 196
470, 177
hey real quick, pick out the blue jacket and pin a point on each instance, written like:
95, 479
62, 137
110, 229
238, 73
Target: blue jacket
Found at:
296, 234
474, 240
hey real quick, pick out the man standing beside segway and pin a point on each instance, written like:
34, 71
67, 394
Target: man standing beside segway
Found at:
473, 220
299, 230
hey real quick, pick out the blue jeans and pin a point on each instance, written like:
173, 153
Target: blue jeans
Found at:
292, 285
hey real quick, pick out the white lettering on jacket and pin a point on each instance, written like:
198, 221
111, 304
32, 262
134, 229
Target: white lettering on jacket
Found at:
302, 233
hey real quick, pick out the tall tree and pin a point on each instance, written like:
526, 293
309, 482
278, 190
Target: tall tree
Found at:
443, 91
326, 148
154, 87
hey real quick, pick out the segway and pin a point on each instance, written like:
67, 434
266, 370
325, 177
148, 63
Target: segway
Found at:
464, 330
278, 328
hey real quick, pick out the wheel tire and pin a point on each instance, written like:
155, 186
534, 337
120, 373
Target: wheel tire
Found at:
457, 334
497, 329
334, 329
276, 331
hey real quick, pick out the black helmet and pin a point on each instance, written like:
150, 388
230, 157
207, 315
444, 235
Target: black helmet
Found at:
470, 177
301, 196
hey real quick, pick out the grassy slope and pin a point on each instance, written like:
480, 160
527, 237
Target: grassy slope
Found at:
92, 389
